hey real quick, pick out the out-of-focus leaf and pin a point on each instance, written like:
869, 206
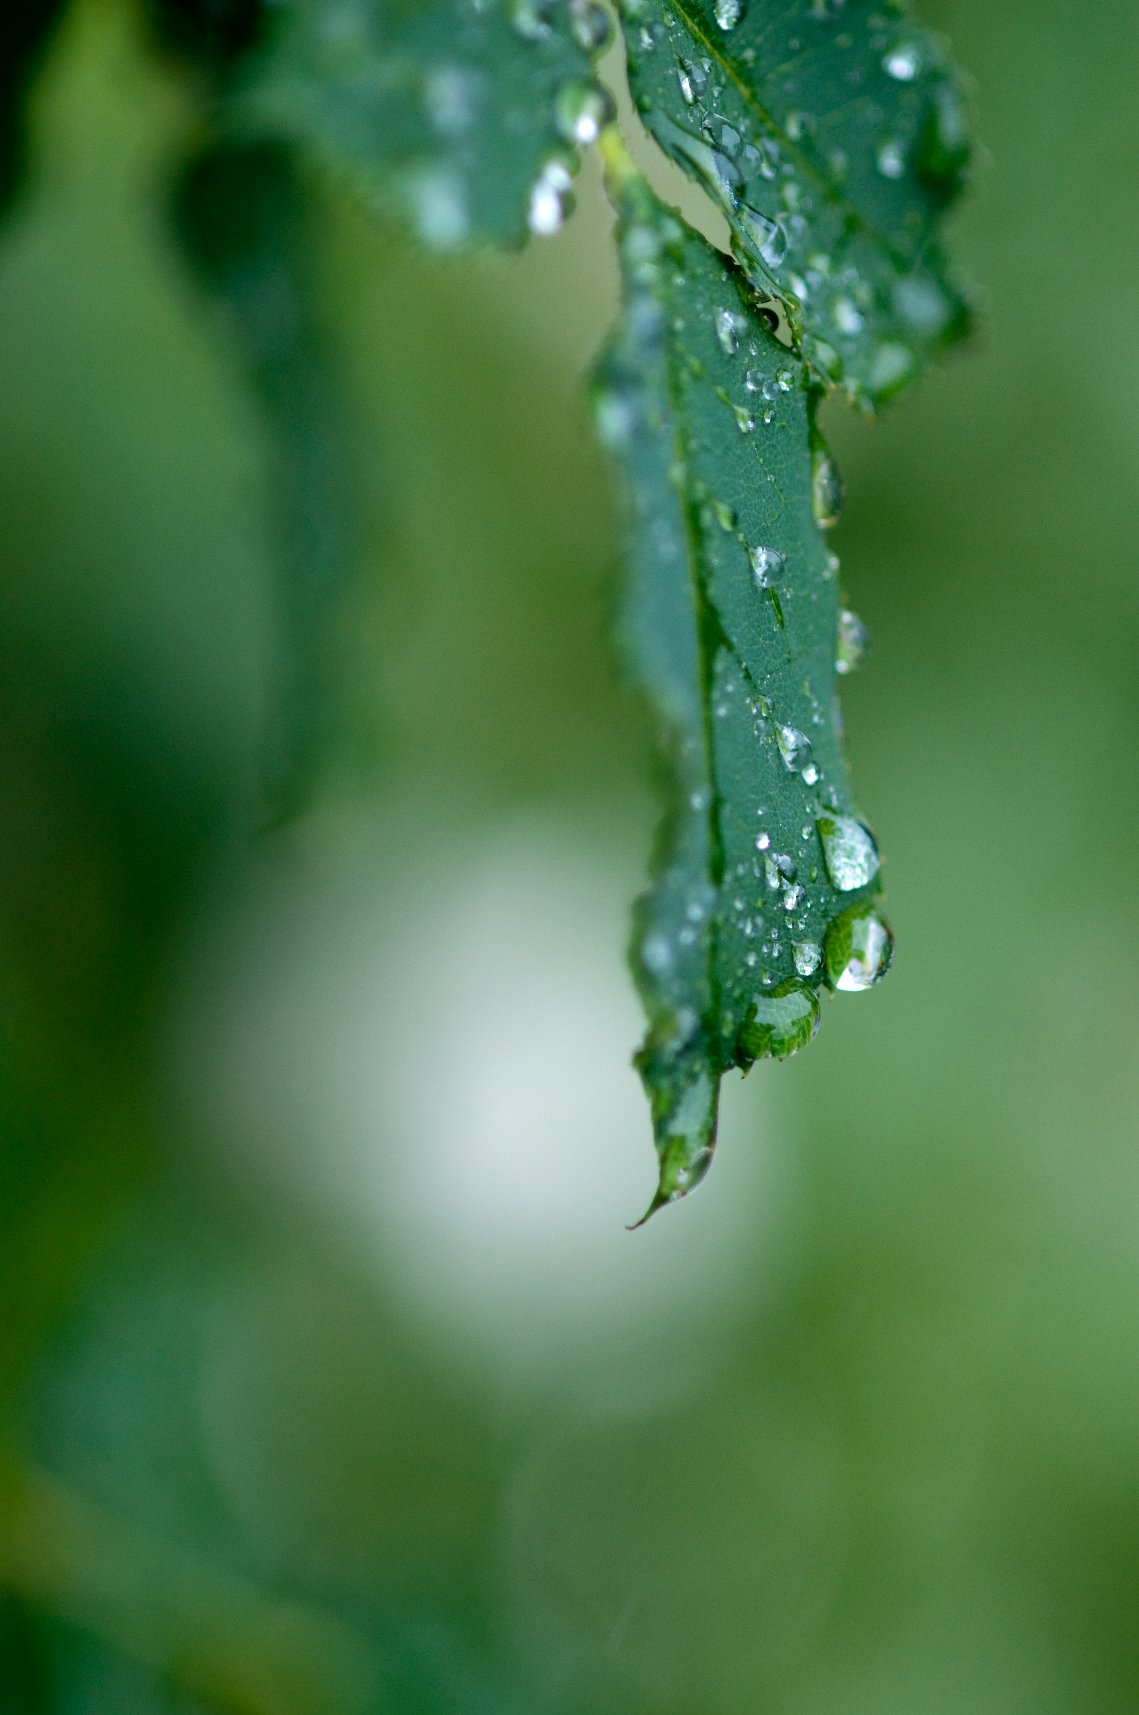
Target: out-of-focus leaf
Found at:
764, 876
26, 27
834, 136
462, 115
244, 219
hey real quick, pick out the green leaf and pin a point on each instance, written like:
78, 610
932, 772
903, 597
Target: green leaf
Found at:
834, 137
242, 213
462, 115
764, 875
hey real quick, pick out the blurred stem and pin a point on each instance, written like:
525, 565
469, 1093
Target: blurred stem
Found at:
213, 1632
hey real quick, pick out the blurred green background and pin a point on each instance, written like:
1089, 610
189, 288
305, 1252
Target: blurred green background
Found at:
330, 1382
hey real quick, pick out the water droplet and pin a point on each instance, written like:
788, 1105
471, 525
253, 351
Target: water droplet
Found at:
766, 237
794, 747
532, 19
438, 204
850, 852
692, 78
745, 422
808, 957
450, 96
792, 896
891, 158
903, 62
846, 315
615, 414
826, 488
810, 774
762, 841
768, 565
778, 1023
582, 111
590, 25
943, 147
858, 948
729, 326
852, 642
754, 380
551, 199
891, 363
728, 13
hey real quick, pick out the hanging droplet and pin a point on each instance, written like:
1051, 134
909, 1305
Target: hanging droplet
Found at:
590, 25
858, 948
852, 644
582, 111
808, 956
778, 1023
551, 198
728, 13
826, 488
850, 852
794, 747
768, 565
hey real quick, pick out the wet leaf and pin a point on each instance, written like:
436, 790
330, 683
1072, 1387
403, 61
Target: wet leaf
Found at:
731, 626
834, 136
463, 117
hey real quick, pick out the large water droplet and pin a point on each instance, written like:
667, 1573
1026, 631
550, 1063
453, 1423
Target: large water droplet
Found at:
582, 111
768, 565
826, 488
850, 852
590, 25
778, 1023
852, 642
858, 948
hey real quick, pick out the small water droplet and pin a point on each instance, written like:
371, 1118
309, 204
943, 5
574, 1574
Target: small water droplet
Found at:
728, 13
754, 380
766, 237
729, 326
826, 488
532, 19
810, 774
858, 948
768, 565
852, 642
807, 955
903, 62
849, 850
551, 199
692, 78
846, 315
794, 747
778, 1023
582, 111
891, 158
745, 422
